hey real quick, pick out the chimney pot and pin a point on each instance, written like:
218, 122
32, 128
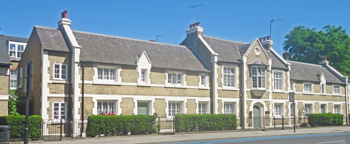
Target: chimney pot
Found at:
64, 14
268, 37
260, 39
264, 38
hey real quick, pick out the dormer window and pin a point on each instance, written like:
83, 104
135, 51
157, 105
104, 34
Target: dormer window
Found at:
258, 77
143, 73
16, 49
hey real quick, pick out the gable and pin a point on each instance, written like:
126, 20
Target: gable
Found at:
251, 54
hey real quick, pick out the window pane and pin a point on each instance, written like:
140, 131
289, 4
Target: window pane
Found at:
12, 47
56, 111
174, 79
57, 71
64, 72
112, 73
105, 74
63, 110
99, 108
178, 79
99, 71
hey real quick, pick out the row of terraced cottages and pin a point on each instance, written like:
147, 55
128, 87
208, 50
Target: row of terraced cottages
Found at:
202, 75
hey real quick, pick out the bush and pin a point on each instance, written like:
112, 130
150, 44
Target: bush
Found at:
325, 119
113, 125
17, 126
205, 122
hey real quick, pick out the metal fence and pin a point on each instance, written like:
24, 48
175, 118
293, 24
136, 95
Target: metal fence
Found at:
60, 129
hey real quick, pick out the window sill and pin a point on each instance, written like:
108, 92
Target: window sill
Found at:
143, 85
175, 86
205, 88
230, 88
279, 91
337, 95
308, 93
106, 83
59, 81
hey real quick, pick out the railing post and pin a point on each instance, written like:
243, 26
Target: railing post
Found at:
274, 122
282, 123
174, 125
158, 125
61, 130
42, 130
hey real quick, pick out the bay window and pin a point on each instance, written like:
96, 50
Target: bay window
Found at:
258, 77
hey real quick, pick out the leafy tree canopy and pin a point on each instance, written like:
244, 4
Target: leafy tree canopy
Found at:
308, 45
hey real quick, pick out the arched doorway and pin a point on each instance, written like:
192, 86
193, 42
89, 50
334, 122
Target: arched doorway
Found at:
257, 115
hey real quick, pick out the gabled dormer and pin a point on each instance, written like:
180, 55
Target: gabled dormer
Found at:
144, 66
323, 83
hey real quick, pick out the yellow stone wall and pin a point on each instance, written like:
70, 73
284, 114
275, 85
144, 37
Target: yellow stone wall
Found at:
287, 109
127, 106
129, 74
14, 65
192, 78
330, 108
3, 107
228, 93
280, 96
191, 106
57, 57
300, 109
220, 107
88, 73
157, 76
160, 105
219, 76
149, 91
312, 97
88, 106
58, 88
317, 88
4, 84
317, 107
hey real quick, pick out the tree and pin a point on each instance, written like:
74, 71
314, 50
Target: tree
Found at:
308, 45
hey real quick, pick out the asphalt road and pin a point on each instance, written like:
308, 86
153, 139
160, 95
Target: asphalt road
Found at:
340, 138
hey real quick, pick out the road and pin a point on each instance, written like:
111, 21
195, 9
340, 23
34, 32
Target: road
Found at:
338, 138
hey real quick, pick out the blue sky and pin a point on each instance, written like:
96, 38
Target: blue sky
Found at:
242, 20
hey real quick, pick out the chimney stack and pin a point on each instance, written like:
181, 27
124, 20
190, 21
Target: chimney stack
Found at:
64, 14
266, 42
195, 28
286, 56
324, 61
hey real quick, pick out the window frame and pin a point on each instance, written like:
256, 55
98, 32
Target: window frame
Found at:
281, 79
263, 77
311, 87
339, 110
60, 71
333, 92
103, 70
202, 106
203, 83
16, 51
311, 108
233, 108
281, 111
170, 113
108, 103
13, 78
60, 112
177, 73
228, 76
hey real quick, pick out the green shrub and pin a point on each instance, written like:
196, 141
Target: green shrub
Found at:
205, 122
17, 126
113, 125
325, 119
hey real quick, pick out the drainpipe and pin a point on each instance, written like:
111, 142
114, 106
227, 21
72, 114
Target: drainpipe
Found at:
346, 104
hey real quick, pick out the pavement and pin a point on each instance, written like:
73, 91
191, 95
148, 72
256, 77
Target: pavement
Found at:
200, 136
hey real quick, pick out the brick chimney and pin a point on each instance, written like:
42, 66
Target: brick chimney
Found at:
64, 20
286, 56
195, 28
266, 42
324, 61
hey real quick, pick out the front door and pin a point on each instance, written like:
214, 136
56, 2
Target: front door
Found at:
256, 117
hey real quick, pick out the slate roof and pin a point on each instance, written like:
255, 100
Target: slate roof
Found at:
229, 51
51, 39
4, 57
112, 49
276, 62
311, 72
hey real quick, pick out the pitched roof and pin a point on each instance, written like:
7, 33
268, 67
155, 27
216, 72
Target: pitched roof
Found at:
112, 49
311, 72
51, 39
276, 62
229, 51
4, 57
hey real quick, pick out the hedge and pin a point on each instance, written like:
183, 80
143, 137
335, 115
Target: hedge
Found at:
325, 119
17, 126
115, 125
205, 122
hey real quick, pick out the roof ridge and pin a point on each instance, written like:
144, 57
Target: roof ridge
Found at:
225, 39
129, 38
305, 63
45, 27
